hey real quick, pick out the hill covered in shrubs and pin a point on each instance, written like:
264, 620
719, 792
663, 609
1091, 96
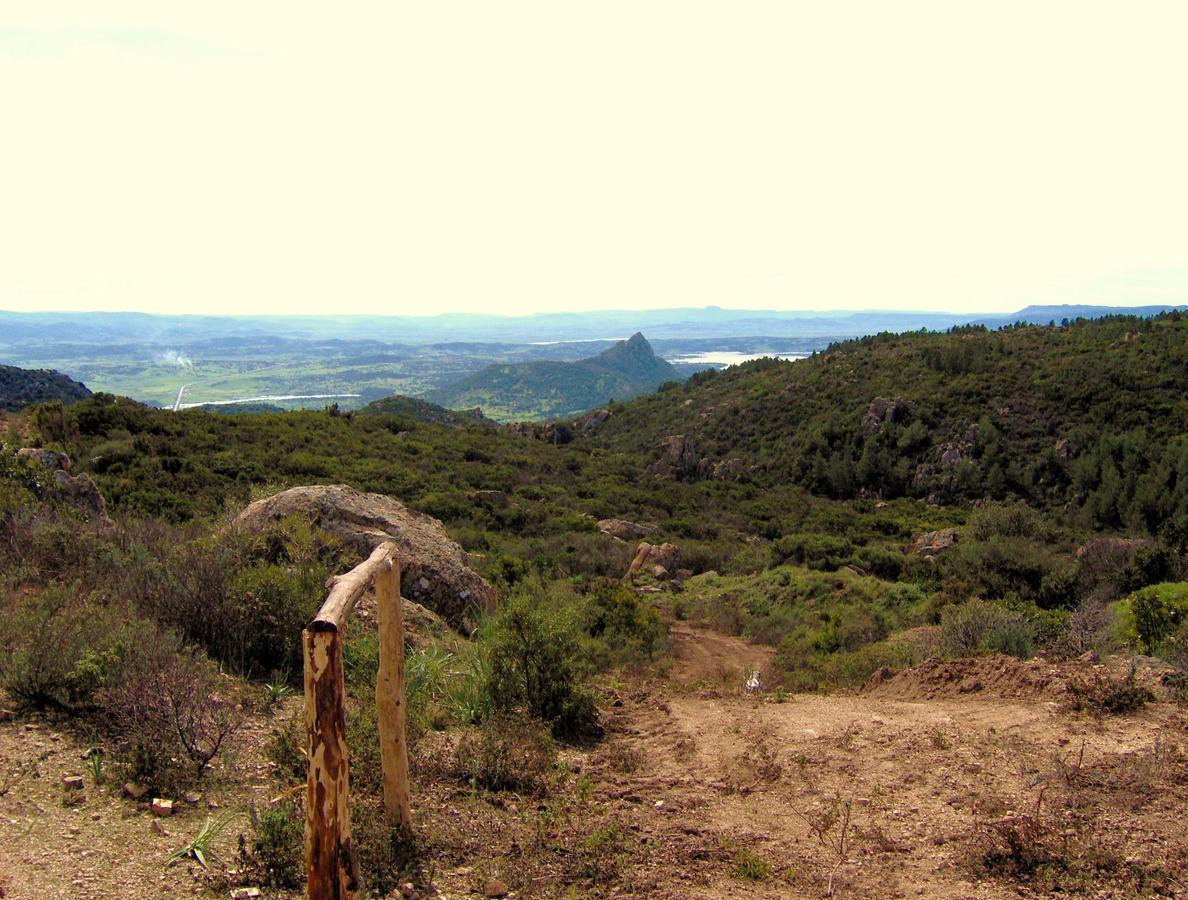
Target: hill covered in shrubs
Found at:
21, 387
550, 390
1090, 414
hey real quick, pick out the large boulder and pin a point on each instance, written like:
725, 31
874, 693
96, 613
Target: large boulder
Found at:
884, 411
433, 570
657, 560
76, 491
677, 459
79, 492
51, 459
934, 543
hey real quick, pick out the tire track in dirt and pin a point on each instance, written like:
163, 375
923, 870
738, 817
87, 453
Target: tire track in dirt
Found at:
705, 770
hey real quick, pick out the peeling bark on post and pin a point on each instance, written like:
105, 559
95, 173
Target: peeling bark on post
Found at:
389, 699
331, 865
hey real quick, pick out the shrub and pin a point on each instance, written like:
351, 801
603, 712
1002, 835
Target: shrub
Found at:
1152, 615
58, 647
508, 752
388, 856
286, 749
1089, 628
1005, 566
363, 747
244, 597
815, 551
750, 866
628, 629
1101, 692
1011, 637
977, 626
18, 481
1006, 520
536, 665
275, 853
1149, 565
885, 564
173, 714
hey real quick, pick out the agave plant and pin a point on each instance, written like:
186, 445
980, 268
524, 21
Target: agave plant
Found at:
199, 848
277, 691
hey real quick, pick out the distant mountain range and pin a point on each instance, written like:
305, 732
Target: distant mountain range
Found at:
680, 323
21, 387
549, 389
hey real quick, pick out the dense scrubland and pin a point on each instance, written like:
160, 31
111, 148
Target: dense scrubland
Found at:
900, 498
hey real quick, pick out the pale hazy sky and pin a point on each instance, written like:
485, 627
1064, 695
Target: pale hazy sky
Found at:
514, 157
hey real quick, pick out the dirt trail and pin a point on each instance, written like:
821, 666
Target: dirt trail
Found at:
700, 655
720, 771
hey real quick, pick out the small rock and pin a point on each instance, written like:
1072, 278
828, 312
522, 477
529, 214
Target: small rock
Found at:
134, 790
74, 829
494, 888
73, 782
245, 893
156, 826
162, 807
863, 801
192, 799
408, 889
127, 813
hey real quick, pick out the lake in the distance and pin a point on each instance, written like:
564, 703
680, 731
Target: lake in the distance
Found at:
730, 357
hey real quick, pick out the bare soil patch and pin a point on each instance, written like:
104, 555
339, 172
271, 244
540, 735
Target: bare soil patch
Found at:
704, 788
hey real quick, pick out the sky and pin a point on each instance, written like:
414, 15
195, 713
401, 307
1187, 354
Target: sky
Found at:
515, 157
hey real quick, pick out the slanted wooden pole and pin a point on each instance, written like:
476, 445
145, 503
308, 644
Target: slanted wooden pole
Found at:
389, 698
331, 864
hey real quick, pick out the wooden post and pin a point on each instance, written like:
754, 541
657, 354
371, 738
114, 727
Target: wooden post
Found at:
389, 699
331, 865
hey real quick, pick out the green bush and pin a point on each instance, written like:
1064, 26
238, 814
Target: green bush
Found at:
815, 551
1153, 614
285, 749
536, 664
1011, 637
60, 646
625, 629
885, 564
1016, 520
18, 481
977, 626
1007, 566
274, 855
803, 666
270, 605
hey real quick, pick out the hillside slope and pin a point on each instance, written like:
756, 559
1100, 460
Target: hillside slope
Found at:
21, 387
423, 411
539, 390
1092, 414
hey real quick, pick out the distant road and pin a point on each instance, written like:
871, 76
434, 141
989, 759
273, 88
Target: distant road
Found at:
177, 403
264, 399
